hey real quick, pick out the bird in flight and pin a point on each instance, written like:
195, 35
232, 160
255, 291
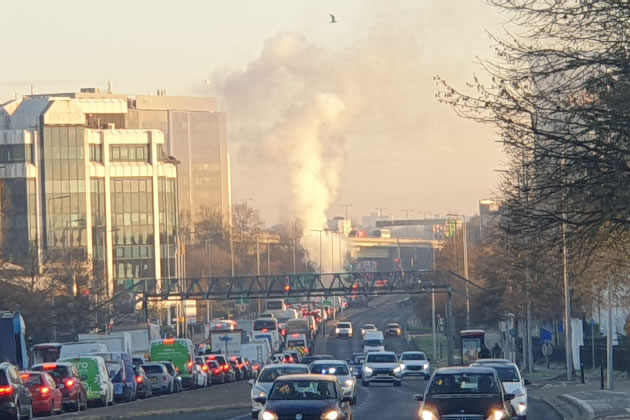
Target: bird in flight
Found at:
333, 19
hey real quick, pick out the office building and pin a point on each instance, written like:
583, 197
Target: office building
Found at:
489, 214
74, 181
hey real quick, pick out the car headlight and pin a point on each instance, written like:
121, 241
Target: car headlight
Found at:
268, 415
337, 330
330, 415
402, 366
349, 382
521, 409
368, 369
427, 415
497, 415
425, 366
397, 369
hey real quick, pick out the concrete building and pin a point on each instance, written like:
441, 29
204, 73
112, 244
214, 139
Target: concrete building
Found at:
489, 214
73, 181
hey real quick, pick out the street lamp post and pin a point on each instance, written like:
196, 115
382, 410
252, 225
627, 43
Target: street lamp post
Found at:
306, 259
209, 314
465, 239
346, 207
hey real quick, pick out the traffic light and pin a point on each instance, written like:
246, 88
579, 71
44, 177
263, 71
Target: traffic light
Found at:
287, 288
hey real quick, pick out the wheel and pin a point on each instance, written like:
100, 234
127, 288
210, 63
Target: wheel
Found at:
398, 383
365, 383
254, 414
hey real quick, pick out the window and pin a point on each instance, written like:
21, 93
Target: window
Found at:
16, 153
130, 153
96, 153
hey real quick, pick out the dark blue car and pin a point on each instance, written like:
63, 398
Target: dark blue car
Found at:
305, 396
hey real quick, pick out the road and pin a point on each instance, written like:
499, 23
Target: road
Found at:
231, 401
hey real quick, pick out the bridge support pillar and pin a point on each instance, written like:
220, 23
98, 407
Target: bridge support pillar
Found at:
450, 328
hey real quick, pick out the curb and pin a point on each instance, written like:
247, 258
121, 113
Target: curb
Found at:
583, 405
550, 403
165, 412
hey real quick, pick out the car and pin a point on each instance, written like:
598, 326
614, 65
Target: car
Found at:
310, 359
415, 363
356, 364
46, 396
342, 371
381, 366
143, 388
373, 341
393, 329
343, 329
68, 380
172, 371
295, 357
268, 374
228, 370
16, 401
513, 383
367, 327
95, 378
205, 369
137, 361
310, 396
238, 369
161, 380
199, 376
480, 392
218, 375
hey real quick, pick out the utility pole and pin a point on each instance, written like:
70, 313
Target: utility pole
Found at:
268, 258
346, 206
209, 314
406, 211
609, 341
433, 310
567, 303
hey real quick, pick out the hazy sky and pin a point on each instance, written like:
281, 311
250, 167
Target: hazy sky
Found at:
394, 146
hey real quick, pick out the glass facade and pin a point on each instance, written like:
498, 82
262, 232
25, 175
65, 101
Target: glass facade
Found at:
96, 153
129, 153
132, 229
64, 188
16, 153
167, 190
15, 216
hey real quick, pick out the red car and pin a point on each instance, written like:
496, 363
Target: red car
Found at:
69, 381
47, 398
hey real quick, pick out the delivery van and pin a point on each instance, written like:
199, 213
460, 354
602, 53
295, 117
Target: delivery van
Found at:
95, 376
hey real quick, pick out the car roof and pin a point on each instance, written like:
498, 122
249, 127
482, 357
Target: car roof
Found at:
369, 325
465, 369
309, 377
278, 365
64, 364
495, 361
328, 362
371, 353
393, 323
413, 352
493, 365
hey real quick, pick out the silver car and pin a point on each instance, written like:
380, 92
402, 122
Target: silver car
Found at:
161, 380
415, 363
268, 374
342, 371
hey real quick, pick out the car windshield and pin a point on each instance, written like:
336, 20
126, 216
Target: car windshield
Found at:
393, 326
343, 325
369, 327
3, 378
464, 383
33, 380
303, 390
272, 373
296, 343
507, 373
381, 358
262, 324
329, 369
274, 305
115, 371
373, 343
152, 369
57, 372
414, 356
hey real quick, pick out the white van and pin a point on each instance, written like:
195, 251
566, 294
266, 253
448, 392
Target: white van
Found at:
268, 325
79, 349
373, 341
258, 352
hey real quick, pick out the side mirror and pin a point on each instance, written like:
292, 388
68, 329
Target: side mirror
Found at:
418, 397
260, 400
346, 398
509, 397
527, 382
251, 382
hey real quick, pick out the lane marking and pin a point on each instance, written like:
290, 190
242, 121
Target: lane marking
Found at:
244, 416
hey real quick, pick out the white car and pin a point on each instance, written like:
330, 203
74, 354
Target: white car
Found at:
415, 363
513, 383
382, 366
368, 327
269, 373
342, 371
343, 329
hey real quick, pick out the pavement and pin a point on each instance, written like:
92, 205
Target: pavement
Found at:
576, 401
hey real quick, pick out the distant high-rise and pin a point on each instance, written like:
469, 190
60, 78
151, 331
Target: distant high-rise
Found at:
489, 213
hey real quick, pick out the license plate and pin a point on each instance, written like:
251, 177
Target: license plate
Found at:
153, 380
118, 388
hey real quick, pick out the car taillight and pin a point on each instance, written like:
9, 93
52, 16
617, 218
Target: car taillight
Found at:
204, 368
44, 390
190, 365
305, 351
6, 390
139, 379
241, 365
256, 367
226, 367
69, 383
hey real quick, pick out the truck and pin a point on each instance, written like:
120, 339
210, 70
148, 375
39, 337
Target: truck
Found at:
115, 341
12, 339
226, 341
141, 337
247, 325
257, 352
